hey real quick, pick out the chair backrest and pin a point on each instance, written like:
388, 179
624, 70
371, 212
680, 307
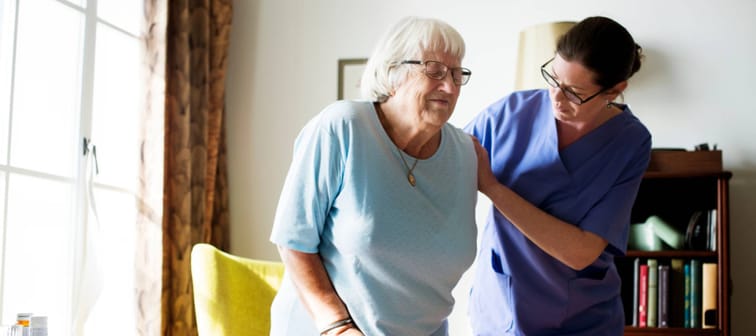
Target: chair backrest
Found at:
232, 294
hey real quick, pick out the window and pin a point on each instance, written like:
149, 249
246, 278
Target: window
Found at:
69, 71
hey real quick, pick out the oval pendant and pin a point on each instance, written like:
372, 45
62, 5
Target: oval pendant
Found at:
411, 179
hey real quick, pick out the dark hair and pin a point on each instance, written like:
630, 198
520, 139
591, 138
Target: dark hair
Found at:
603, 46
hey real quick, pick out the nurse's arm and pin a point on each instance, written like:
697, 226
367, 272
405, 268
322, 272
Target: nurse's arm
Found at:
314, 287
568, 243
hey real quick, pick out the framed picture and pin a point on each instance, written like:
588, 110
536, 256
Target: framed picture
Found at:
350, 74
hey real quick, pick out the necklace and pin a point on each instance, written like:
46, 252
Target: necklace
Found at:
410, 176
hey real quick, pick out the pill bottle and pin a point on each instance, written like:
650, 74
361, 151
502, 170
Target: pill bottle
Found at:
23, 319
38, 326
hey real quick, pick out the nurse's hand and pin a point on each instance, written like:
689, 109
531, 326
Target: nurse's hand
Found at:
486, 178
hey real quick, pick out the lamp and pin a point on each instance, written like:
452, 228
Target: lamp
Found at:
537, 44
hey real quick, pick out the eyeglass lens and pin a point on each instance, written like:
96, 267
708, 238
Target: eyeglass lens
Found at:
437, 70
571, 96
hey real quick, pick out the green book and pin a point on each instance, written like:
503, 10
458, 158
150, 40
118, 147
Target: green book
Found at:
676, 293
686, 270
653, 287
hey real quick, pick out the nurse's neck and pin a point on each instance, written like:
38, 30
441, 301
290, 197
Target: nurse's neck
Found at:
568, 132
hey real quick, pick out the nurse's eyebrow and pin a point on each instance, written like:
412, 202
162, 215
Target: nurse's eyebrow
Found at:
571, 87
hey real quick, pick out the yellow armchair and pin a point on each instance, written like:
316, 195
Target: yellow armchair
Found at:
232, 294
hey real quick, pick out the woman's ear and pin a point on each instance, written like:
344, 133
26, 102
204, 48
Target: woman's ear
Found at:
617, 90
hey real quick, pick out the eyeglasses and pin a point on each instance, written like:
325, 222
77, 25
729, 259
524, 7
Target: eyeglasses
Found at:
437, 70
571, 95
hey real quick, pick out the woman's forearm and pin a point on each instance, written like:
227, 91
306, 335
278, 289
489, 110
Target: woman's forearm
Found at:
568, 243
314, 286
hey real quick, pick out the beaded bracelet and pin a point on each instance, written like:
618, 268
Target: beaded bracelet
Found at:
335, 325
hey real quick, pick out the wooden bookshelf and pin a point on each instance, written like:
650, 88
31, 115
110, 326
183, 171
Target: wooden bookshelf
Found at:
674, 194
671, 331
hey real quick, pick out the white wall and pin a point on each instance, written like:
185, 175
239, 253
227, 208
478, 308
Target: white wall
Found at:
696, 85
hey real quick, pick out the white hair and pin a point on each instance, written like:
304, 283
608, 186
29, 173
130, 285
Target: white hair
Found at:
407, 39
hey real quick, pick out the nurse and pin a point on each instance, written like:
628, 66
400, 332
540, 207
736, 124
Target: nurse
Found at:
564, 168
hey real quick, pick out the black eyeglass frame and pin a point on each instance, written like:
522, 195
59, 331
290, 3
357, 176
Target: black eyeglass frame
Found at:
571, 95
465, 73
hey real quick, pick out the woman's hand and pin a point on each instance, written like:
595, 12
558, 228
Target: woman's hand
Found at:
352, 331
314, 286
486, 177
348, 330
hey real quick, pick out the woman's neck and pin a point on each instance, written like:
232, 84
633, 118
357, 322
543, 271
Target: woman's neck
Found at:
411, 139
568, 132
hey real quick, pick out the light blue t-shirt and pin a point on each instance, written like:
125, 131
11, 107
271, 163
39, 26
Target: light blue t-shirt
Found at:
393, 252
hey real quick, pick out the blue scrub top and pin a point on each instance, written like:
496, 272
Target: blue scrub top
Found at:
592, 183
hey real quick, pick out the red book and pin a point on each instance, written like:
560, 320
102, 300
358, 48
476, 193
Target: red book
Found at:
643, 295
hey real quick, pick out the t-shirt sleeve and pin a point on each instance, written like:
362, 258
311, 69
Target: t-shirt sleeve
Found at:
311, 185
483, 124
610, 217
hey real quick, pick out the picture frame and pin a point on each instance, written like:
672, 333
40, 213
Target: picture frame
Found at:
350, 74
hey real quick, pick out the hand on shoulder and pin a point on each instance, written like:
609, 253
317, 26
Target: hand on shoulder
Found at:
486, 177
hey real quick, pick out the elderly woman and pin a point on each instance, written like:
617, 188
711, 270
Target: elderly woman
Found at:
376, 222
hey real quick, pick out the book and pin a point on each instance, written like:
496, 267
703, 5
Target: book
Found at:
636, 266
663, 297
642, 295
709, 295
712, 245
686, 271
695, 293
676, 293
627, 268
652, 292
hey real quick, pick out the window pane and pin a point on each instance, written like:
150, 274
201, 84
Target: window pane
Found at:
7, 20
126, 15
2, 222
46, 97
116, 305
116, 107
38, 245
80, 3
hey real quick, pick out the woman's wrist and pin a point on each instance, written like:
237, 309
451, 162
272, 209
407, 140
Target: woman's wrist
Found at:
341, 330
337, 327
489, 187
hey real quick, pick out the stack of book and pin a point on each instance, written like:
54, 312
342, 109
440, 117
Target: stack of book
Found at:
675, 293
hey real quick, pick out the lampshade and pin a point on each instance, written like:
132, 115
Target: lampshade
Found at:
537, 44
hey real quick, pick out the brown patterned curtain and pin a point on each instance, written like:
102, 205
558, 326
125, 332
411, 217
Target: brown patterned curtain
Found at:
195, 182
